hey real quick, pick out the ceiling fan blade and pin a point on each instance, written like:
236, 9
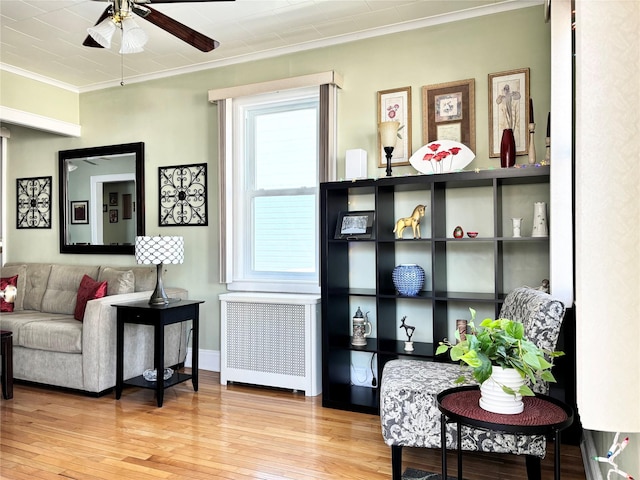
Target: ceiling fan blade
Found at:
183, 1
90, 42
198, 40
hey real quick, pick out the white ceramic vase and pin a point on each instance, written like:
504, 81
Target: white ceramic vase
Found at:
540, 228
517, 224
496, 400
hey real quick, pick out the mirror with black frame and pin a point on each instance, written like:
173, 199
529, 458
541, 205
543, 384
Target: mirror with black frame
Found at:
101, 198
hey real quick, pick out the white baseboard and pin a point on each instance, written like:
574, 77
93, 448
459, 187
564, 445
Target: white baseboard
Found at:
588, 449
207, 360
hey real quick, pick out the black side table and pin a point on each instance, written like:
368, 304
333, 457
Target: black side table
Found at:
542, 415
142, 313
6, 352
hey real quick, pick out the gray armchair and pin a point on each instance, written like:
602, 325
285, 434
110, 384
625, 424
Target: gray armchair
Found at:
408, 410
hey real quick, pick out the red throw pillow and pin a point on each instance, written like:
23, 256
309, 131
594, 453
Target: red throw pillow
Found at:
10, 295
89, 289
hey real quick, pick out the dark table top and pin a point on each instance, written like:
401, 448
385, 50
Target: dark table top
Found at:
145, 304
541, 413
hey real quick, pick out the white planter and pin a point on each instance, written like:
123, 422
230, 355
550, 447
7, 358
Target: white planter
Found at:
494, 399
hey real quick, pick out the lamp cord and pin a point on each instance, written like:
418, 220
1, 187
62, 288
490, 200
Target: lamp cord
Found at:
374, 381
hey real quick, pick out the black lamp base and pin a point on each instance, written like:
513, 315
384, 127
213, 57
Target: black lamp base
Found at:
388, 153
159, 297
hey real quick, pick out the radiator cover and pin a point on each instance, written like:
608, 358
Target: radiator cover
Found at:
271, 340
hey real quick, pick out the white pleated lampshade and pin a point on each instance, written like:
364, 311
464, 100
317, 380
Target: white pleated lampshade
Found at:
159, 250
103, 32
133, 37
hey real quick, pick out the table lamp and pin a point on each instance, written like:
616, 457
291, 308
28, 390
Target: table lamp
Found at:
388, 138
158, 251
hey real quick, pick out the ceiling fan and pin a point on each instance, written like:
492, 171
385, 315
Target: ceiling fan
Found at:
120, 13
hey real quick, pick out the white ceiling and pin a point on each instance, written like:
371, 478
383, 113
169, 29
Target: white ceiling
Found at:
44, 37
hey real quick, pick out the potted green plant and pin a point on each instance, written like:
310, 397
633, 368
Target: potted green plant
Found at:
497, 347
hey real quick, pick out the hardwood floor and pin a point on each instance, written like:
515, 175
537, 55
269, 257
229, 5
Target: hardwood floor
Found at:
233, 432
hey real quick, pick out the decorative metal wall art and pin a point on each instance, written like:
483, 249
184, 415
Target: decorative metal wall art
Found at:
183, 195
33, 202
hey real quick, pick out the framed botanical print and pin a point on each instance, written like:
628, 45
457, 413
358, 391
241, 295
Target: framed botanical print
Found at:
395, 105
449, 112
509, 108
183, 195
33, 202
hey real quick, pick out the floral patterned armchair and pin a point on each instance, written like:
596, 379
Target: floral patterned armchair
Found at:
408, 410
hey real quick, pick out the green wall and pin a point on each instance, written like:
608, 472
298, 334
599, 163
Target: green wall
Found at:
39, 98
178, 125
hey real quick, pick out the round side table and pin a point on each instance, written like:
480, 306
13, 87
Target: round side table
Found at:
542, 415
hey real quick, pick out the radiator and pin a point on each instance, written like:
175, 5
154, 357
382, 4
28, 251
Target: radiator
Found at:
271, 339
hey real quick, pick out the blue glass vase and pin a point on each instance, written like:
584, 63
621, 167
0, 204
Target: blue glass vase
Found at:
408, 279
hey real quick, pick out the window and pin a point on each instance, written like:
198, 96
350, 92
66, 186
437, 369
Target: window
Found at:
275, 177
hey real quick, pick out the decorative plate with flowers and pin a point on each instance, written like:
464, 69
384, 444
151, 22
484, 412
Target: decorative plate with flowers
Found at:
442, 156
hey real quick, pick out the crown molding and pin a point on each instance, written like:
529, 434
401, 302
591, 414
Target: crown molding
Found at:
498, 7
39, 78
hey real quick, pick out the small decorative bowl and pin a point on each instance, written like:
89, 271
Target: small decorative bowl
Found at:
472, 234
152, 376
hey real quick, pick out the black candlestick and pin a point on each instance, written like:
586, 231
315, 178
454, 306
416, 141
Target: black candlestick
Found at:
530, 110
549, 125
388, 152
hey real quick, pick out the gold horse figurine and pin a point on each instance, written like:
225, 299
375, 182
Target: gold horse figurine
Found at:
413, 221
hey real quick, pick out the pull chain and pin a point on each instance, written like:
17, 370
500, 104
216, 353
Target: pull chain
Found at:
122, 69
121, 56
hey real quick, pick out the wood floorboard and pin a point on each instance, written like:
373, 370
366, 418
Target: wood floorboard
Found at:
233, 432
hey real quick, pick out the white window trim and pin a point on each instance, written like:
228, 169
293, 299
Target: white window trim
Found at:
241, 279
328, 148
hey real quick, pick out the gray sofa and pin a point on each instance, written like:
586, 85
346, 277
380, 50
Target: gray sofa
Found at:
51, 347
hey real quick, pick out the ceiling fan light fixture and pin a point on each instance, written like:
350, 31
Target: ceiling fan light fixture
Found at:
103, 32
133, 37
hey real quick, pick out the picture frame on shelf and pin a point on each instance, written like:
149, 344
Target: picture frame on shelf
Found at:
509, 108
355, 225
80, 212
449, 112
395, 105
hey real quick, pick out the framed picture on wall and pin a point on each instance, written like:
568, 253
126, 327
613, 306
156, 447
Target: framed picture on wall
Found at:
449, 112
127, 206
113, 216
509, 108
395, 105
113, 199
80, 212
